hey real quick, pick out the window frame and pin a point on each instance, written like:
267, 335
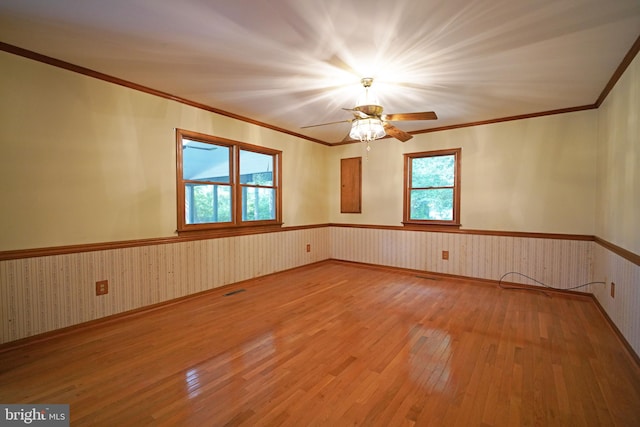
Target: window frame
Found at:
408, 159
236, 223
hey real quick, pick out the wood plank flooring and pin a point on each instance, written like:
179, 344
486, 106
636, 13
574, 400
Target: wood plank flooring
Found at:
335, 344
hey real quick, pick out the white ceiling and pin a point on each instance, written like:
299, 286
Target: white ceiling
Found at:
292, 63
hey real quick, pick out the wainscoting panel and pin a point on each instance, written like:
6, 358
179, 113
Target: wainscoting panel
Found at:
556, 262
42, 294
623, 307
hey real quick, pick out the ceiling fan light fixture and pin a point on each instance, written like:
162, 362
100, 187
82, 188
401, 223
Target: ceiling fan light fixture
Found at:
366, 130
369, 123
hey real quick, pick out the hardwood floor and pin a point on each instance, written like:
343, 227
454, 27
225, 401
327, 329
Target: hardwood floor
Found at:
337, 344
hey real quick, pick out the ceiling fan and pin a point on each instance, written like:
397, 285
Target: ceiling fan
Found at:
368, 122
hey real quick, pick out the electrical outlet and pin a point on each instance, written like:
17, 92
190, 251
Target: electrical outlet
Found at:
102, 287
445, 255
308, 248
613, 290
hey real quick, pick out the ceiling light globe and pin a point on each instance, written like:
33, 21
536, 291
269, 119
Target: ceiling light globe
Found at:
367, 129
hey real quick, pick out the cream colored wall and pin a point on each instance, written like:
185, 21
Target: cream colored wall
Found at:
533, 175
84, 161
618, 186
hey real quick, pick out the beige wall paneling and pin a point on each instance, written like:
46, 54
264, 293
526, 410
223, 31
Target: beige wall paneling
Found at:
555, 262
42, 294
623, 308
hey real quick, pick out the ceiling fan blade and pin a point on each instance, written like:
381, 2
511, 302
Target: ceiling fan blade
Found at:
427, 115
324, 124
393, 131
341, 64
357, 113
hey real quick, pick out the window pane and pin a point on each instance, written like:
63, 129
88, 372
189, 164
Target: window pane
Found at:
432, 204
207, 203
258, 204
437, 171
256, 168
205, 162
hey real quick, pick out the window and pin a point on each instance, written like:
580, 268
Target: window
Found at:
224, 183
432, 188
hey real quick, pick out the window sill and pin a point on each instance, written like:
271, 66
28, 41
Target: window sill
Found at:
435, 226
230, 231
